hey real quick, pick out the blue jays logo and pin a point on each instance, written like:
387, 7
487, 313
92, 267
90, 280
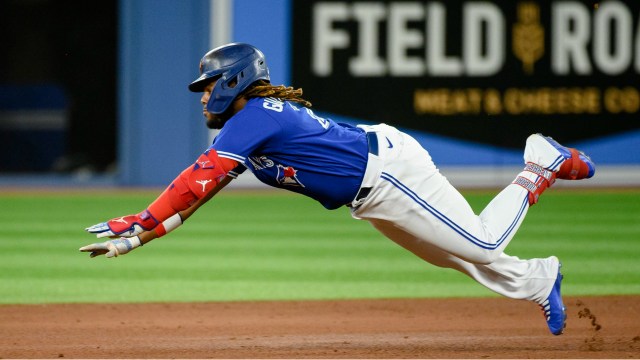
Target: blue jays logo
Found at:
287, 176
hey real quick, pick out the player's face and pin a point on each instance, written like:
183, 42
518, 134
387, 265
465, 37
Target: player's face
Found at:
217, 121
214, 121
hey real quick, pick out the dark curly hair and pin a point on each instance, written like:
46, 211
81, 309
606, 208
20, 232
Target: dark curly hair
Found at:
263, 88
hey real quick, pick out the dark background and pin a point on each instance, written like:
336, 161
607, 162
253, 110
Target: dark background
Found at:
390, 99
71, 45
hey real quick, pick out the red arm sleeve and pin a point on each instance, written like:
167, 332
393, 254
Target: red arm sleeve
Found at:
192, 184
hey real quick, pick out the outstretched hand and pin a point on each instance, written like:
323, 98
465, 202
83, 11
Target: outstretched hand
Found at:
112, 248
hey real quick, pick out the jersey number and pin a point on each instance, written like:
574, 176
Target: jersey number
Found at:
324, 122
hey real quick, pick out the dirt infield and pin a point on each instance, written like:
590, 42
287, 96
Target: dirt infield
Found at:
451, 328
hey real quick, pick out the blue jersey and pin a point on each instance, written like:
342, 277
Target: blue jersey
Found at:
290, 147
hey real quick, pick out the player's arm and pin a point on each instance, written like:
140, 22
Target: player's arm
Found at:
193, 185
178, 219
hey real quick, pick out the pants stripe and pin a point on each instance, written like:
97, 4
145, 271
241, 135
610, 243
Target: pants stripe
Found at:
453, 225
555, 163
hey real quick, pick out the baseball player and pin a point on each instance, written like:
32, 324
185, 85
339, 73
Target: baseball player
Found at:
382, 174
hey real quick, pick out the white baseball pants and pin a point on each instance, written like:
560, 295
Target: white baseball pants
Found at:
412, 204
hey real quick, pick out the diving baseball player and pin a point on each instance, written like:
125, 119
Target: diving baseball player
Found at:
382, 174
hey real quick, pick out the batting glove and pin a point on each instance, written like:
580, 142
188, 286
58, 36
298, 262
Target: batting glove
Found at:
112, 248
130, 225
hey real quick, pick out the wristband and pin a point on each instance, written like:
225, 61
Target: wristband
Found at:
135, 242
169, 225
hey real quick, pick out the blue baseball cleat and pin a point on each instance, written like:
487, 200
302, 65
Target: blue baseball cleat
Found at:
577, 165
554, 310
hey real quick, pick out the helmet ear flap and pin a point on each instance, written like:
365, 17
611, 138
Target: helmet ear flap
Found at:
221, 97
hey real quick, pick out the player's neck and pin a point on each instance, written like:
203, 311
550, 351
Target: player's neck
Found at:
238, 104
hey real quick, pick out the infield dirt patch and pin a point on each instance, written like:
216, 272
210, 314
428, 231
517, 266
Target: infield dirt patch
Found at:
419, 328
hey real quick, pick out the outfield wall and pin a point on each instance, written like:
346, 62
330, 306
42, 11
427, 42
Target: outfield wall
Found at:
161, 127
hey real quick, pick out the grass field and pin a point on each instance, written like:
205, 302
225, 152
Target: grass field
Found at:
270, 246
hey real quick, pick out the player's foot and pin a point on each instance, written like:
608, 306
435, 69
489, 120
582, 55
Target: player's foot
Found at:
554, 310
569, 163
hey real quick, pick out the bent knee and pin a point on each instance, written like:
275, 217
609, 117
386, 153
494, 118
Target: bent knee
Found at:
483, 256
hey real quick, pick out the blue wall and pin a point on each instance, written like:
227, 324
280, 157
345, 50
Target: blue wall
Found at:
267, 26
161, 127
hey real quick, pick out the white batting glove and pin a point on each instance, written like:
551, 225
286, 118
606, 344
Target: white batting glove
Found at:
112, 248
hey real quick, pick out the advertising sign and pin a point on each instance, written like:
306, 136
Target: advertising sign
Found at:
488, 71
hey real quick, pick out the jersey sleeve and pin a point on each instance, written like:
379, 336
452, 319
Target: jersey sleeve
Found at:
246, 132
237, 171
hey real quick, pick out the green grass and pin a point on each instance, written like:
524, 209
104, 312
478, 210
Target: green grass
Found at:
266, 247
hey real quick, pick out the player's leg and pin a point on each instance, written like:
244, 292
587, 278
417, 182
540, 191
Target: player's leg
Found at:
537, 280
425, 214
416, 198
508, 275
419, 200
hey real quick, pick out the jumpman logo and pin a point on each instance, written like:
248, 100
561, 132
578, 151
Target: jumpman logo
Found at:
203, 162
204, 183
121, 220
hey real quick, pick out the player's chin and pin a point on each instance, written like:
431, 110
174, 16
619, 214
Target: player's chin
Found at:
214, 122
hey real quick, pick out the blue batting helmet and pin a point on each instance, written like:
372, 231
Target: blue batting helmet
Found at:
237, 65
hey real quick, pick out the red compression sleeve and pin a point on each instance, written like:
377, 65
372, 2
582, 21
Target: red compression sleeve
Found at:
160, 230
192, 184
228, 164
